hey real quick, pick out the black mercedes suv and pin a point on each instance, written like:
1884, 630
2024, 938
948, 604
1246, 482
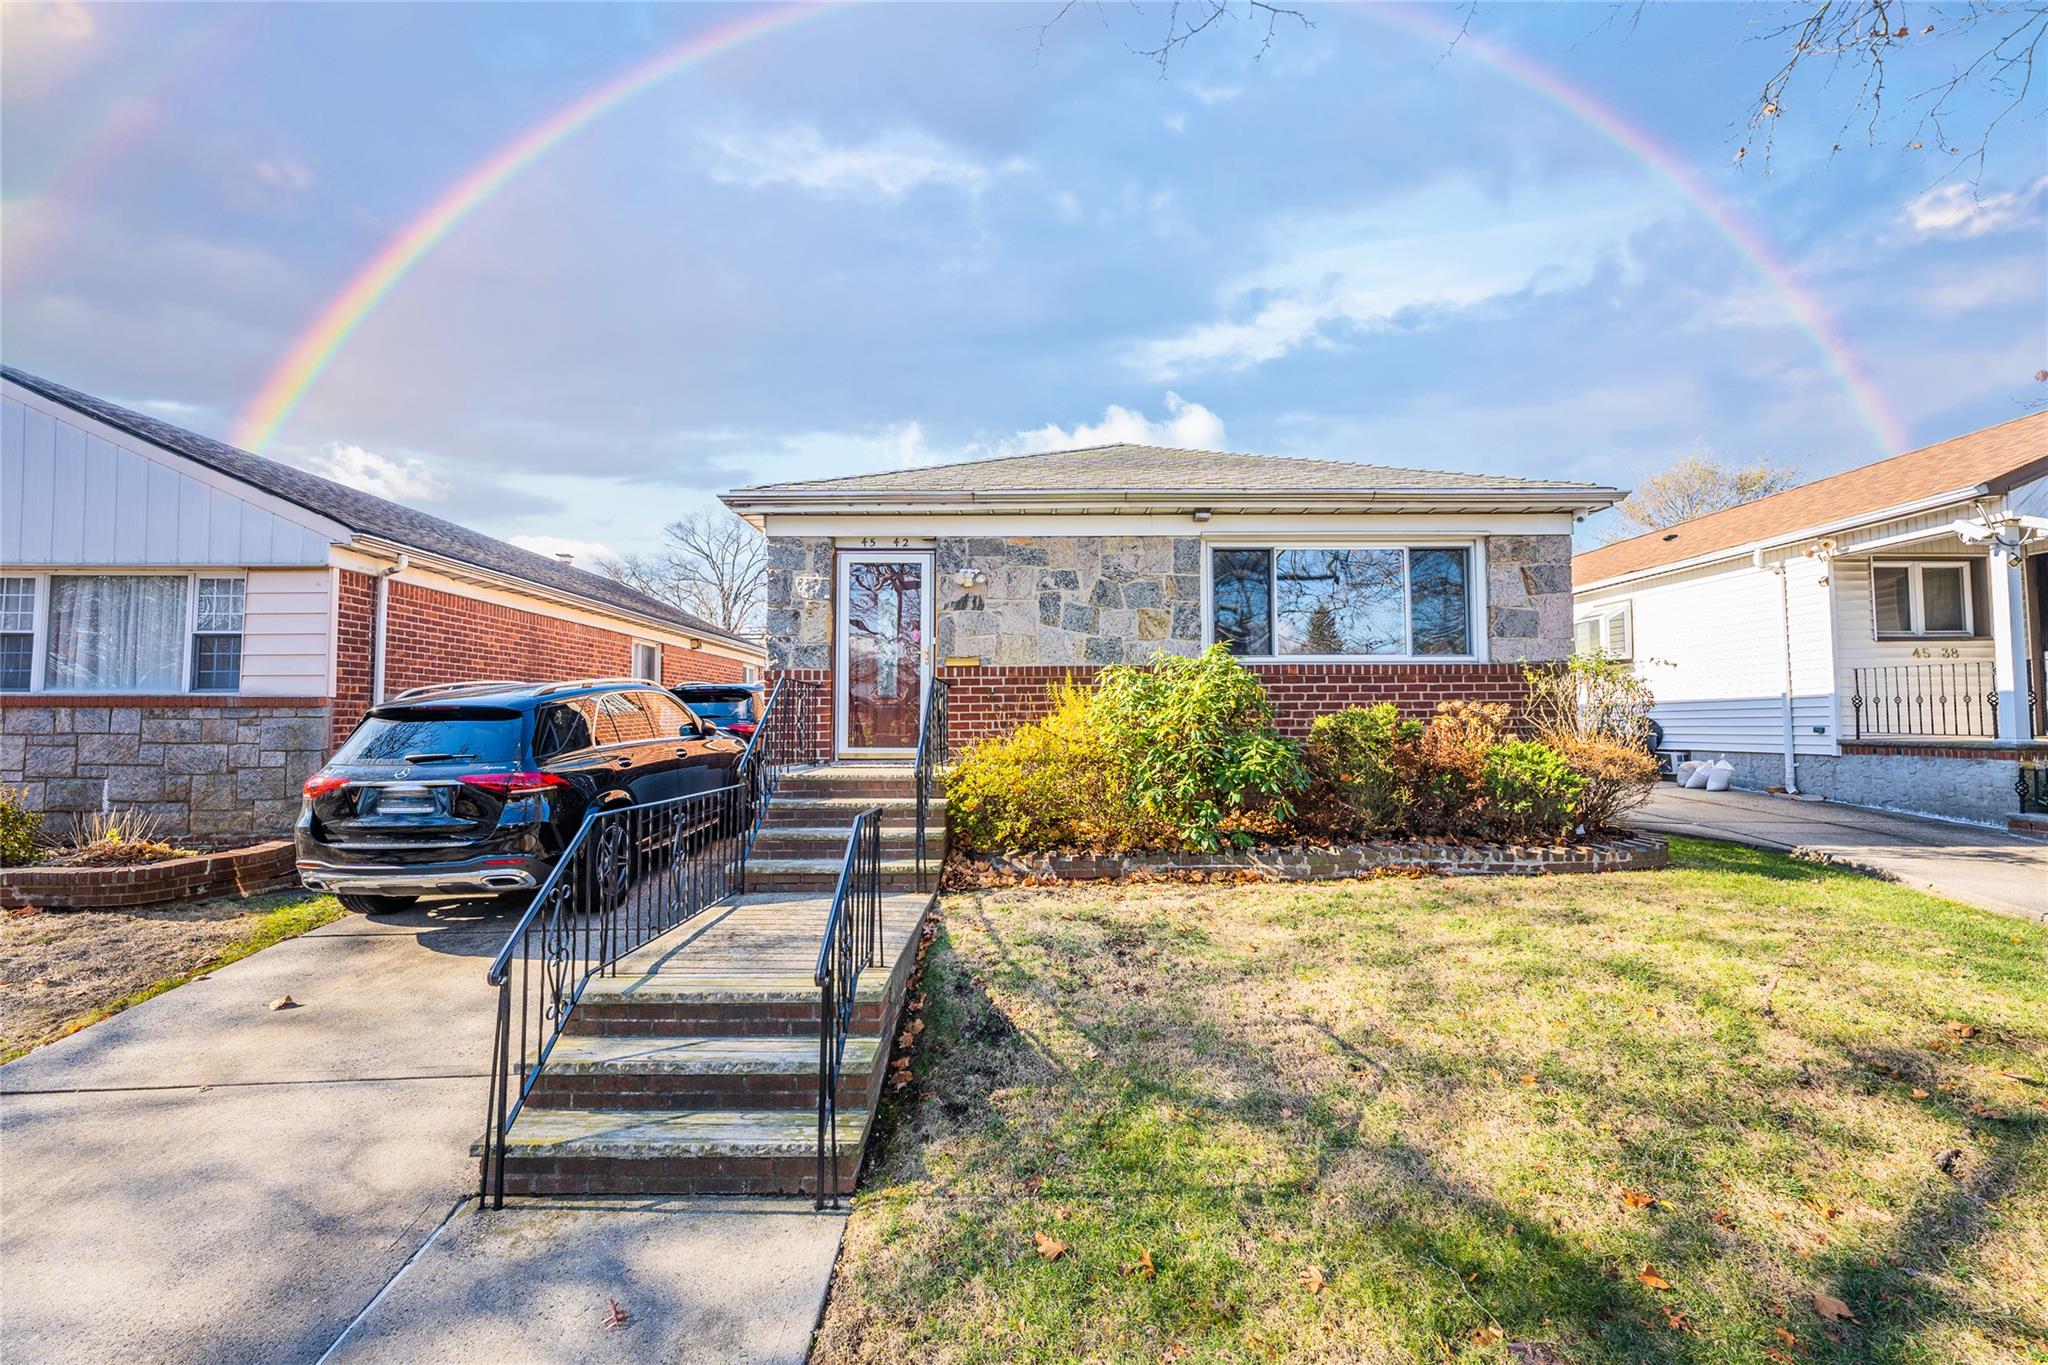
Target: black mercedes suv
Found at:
476, 788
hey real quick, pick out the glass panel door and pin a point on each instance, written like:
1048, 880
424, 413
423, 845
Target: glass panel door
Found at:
884, 622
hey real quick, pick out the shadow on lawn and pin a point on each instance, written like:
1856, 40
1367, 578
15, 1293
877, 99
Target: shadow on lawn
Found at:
1483, 1261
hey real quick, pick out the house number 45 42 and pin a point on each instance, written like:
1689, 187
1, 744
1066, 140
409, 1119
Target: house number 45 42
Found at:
895, 543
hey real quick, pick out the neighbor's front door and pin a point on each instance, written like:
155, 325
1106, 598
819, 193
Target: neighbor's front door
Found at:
884, 650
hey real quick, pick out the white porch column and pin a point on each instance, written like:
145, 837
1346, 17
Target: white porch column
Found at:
2007, 609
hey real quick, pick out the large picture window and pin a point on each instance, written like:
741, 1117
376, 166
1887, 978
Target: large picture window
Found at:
1343, 601
1931, 598
121, 633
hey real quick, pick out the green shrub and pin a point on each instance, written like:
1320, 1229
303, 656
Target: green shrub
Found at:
1193, 739
1531, 792
1360, 765
1446, 779
1047, 784
19, 827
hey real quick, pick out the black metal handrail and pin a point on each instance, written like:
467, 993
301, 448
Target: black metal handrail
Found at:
784, 737
1926, 701
629, 876
932, 753
853, 940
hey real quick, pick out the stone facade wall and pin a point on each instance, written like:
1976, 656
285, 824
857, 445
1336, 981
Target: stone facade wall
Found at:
1980, 788
225, 767
1038, 600
1528, 598
798, 595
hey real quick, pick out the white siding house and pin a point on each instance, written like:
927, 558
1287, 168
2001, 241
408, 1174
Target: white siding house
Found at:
1875, 637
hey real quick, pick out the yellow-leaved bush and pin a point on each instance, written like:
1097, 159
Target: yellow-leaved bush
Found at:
1046, 784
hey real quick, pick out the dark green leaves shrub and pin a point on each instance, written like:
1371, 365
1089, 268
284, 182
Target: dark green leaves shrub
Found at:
1360, 764
1193, 740
19, 827
1531, 791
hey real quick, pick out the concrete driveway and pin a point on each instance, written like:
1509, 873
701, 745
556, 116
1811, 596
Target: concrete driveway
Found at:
204, 1179
1981, 867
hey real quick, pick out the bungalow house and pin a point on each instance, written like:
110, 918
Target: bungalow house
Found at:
1339, 583
1874, 638
189, 629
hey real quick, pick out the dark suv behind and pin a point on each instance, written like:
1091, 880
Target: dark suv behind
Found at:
476, 788
735, 707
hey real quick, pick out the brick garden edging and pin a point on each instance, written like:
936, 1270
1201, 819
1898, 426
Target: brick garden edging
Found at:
1627, 853
270, 866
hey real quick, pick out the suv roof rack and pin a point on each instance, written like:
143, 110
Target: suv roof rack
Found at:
573, 683
474, 684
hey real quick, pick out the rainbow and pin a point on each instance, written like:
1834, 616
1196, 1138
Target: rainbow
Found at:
315, 348
1799, 302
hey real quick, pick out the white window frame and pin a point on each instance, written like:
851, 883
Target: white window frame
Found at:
39, 644
192, 634
1602, 620
655, 645
1916, 607
1475, 596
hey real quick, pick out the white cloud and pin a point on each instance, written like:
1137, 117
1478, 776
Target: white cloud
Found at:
1176, 123
1067, 205
1372, 271
1214, 94
398, 477
1187, 425
1961, 210
283, 173
889, 164
585, 553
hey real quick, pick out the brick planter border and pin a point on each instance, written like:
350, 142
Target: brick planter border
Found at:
270, 866
1627, 853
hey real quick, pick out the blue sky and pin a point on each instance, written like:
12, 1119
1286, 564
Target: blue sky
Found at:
899, 234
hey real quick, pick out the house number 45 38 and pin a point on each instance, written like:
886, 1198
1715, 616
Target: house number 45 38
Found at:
1945, 652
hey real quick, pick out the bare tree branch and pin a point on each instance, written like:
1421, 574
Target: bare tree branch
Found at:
711, 564
1695, 485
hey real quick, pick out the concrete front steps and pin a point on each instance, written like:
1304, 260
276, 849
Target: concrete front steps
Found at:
694, 1069
801, 845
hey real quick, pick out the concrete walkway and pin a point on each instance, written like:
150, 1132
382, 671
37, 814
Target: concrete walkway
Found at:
204, 1179
1977, 866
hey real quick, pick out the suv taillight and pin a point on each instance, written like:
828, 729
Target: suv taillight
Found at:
514, 784
319, 784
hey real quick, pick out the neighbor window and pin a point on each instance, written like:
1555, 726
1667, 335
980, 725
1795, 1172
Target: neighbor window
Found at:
1342, 601
647, 661
1606, 632
17, 633
1930, 598
123, 633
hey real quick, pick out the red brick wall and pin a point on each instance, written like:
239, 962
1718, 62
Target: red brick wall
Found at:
437, 637
981, 702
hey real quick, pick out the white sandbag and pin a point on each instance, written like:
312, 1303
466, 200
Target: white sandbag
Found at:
1683, 776
1696, 780
1719, 775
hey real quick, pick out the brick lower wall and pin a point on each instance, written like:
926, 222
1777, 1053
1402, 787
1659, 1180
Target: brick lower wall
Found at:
439, 637
982, 702
238, 872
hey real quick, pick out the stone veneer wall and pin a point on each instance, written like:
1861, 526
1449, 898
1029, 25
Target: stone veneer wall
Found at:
1044, 607
224, 767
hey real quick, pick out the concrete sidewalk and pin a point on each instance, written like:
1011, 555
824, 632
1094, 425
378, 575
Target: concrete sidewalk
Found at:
1981, 867
203, 1179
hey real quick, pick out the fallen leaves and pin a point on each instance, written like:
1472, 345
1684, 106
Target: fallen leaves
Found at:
1142, 1267
1488, 1336
1652, 1278
1831, 1308
1049, 1246
616, 1317
1635, 1199
1312, 1279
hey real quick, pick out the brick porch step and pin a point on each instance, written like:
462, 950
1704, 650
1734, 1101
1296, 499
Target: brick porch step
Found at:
695, 1151
759, 1071
814, 841
822, 874
843, 780
898, 812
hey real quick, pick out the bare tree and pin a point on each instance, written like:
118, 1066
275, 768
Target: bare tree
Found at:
1695, 485
711, 564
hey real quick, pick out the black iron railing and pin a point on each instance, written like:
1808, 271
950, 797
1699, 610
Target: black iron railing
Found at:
853, 940
785, 737
629, 876
2032, 786
1926, 701
931, 756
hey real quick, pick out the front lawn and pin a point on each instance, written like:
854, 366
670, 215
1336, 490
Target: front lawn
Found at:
1745, 1109
62, 970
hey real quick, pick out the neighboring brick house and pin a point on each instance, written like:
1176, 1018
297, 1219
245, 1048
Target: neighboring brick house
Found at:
1340, 583
189, 629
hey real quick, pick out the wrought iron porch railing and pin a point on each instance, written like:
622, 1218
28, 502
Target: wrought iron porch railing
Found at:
853, 940
1926, 701
2032, 787
932, 754
785, 737
629, 876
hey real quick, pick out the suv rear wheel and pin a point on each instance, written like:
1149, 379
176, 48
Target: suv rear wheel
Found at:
377, 905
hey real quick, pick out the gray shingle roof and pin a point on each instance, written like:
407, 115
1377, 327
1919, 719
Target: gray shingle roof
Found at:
1126, 468
367, 514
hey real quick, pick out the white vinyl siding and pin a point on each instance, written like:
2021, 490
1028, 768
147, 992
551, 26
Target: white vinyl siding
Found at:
1862, 647
287, 632
70, 497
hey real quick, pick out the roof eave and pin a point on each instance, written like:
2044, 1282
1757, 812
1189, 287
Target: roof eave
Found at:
755, 503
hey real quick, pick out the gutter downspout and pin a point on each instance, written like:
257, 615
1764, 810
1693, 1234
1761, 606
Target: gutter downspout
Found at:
1785, 640
382, 578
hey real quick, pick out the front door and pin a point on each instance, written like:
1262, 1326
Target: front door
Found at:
883, 649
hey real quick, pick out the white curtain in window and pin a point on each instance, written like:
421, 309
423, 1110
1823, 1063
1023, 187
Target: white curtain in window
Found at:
117, 633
